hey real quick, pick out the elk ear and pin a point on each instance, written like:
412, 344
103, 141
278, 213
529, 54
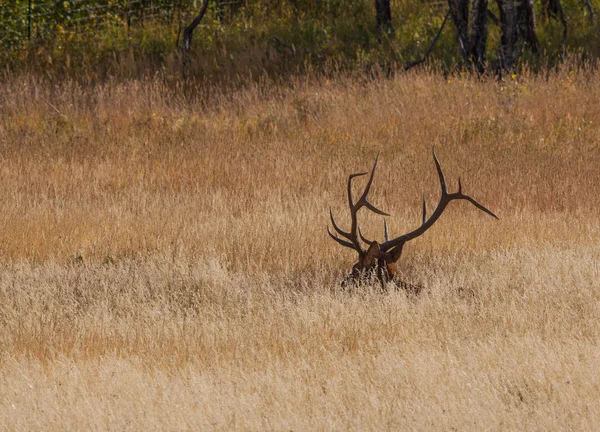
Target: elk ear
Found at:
372, 254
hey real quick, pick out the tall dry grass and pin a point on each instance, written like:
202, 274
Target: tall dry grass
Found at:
165, 263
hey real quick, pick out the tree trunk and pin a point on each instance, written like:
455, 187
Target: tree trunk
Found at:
383, 15
459, 11
508, 35
551, 8
478, 38
188, 32
526, 20
472, 48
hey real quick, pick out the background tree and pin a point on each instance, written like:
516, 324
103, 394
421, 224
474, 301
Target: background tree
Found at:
516, 21
383, 16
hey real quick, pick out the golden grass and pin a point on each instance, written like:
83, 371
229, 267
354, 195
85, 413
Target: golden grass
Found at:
165, 263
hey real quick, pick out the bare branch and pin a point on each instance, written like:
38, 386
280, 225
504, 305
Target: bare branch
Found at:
435, 39
189, 30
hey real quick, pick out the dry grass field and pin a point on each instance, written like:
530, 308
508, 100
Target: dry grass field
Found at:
165, 264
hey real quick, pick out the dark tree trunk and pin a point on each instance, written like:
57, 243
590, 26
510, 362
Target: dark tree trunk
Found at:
478, 38
517, 18
459, 11
508, 35
526, 20
472, 48
188, 32
383, 15
551, 8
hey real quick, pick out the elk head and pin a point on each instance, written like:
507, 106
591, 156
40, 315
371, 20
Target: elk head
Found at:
379, 259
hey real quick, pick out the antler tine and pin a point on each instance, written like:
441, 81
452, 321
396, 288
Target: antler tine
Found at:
385, 231
440, 174
460, 195
363, 238
350, 177
476, 204
374, 209
340, 241
370, 182
362, 201
355, 207
354, 235
337, 228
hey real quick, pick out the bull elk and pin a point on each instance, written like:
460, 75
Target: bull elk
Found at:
379, 260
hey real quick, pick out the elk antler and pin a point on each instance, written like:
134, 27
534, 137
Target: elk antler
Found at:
353, 235
395, 246
382, 257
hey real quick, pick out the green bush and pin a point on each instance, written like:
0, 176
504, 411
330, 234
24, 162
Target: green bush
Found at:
115, 37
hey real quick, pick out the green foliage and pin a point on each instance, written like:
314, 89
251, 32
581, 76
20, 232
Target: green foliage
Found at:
99, 37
